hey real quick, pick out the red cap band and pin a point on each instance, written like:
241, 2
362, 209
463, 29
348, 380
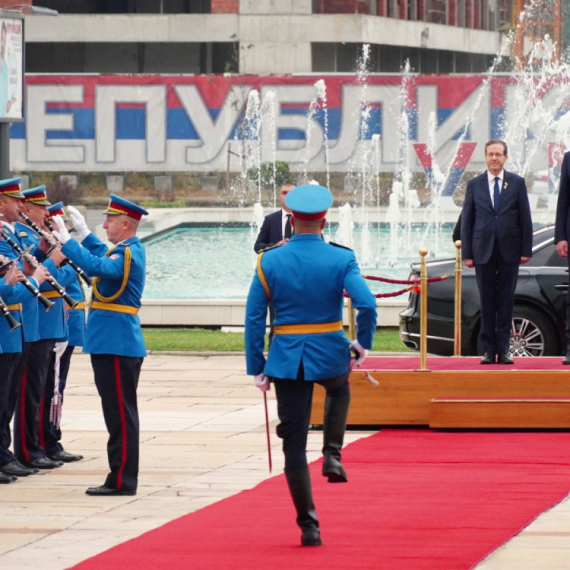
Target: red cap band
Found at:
10, 189
119, 209
309, 217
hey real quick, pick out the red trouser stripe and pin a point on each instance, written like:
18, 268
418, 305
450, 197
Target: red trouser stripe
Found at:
23, 415
123, 422
41, 426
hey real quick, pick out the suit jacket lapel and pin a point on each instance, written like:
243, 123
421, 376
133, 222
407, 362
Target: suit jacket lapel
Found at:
485, 190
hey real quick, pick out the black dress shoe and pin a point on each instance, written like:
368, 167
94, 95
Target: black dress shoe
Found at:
567, 359
5, 479
103, 491
504, 358
44, 463
65, 457
488, 358
14, 468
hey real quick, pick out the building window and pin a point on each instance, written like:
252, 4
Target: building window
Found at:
129, 6
117, 57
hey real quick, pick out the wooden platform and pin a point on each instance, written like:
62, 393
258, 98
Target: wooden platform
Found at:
403, 397
543, 413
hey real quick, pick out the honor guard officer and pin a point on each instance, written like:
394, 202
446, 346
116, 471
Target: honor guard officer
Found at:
50, 432
114, 336
11, 345
12, 342
52, 326
305, 279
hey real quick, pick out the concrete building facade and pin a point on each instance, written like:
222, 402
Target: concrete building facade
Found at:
263, 36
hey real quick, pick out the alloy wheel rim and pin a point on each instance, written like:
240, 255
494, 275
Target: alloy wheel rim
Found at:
526, 338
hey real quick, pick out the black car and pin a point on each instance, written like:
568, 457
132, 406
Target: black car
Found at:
539, 312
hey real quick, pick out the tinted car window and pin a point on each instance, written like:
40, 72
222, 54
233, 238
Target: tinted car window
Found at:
543, 256
557, 261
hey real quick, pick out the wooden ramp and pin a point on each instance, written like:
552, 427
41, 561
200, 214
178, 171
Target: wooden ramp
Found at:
539, 413
404, 396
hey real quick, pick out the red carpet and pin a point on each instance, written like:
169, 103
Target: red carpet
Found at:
416, 500
463, 363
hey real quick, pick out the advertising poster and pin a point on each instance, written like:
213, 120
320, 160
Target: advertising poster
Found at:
11, 69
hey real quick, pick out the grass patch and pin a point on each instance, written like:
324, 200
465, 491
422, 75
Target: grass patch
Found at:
205, 340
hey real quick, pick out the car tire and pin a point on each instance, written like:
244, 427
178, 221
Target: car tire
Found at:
539, 337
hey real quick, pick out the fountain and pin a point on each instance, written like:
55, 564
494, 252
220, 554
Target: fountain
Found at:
399, 140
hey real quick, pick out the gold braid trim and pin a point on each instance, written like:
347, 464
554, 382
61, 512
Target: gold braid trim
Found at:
123, 284
261, 276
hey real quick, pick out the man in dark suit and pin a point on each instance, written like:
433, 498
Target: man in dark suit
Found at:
496, 236
276, 228
562, 231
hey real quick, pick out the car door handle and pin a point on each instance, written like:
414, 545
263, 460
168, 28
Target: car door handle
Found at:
562, 287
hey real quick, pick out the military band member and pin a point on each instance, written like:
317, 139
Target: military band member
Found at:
50, 432
11, 344
114, 336
305, 279
51, 327
10, 207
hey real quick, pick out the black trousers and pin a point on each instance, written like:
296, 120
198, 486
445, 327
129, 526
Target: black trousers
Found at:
294, 401
27, 417
7, 365
10, 407
50, 436
117, 378
568, 311
497, 282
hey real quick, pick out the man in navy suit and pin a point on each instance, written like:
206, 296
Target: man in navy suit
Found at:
276, 228
496, 236
562, 232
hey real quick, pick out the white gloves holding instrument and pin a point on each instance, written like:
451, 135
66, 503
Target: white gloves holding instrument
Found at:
262, 382
62, 234
79, 223
359, 352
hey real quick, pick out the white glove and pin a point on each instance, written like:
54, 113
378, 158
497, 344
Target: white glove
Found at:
362, 352
60, 349
63, 234
79, 223
262, 382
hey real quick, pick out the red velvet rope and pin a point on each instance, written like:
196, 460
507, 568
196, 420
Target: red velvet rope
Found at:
401, 282
394, 294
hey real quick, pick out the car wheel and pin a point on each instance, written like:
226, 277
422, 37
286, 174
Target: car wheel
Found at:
532, 334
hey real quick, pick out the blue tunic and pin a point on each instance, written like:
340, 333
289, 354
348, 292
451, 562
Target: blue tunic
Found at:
112, 332
30, 306
12, 340
52, 323
76, 317
306, 278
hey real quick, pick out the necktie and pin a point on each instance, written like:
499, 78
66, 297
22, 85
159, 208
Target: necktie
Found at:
496, 194
287, 234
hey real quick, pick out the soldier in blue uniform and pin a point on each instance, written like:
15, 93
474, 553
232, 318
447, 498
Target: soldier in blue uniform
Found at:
11, 345
305, 279
50, 432
114, 336
52, 326
24, 307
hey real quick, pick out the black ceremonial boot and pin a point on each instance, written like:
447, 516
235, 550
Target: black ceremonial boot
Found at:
336, 412
300, 488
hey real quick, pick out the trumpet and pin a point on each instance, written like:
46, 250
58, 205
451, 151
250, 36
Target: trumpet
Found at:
53, 243
27, 256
